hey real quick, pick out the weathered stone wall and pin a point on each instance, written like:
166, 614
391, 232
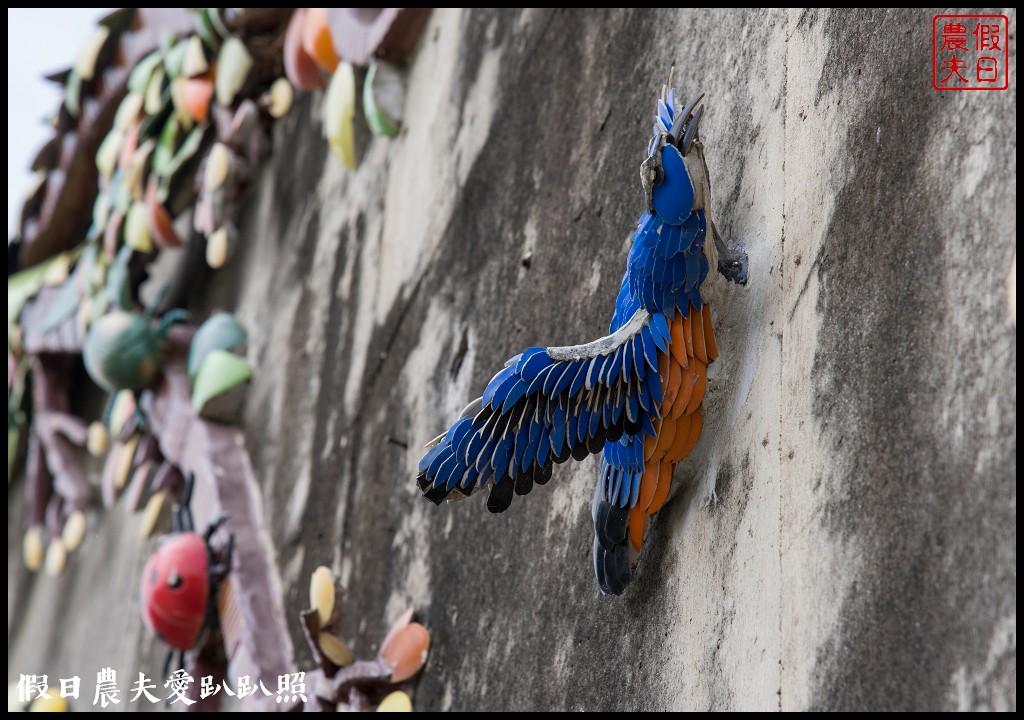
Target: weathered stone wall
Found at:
845, 534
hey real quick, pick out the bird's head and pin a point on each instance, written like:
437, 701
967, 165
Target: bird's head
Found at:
674, 175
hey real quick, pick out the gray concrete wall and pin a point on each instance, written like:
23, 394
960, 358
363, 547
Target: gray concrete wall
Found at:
845, 534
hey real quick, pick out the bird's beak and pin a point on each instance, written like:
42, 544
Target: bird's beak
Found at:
684, 129
691, 130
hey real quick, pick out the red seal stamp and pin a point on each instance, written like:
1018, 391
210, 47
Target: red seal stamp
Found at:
970, 52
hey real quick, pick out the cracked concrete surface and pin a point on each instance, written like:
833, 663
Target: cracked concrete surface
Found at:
844, 536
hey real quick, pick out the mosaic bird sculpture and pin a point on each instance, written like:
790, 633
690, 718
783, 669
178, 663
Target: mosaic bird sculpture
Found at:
635, 395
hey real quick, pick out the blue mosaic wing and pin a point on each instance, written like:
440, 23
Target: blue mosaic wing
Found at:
545, 406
